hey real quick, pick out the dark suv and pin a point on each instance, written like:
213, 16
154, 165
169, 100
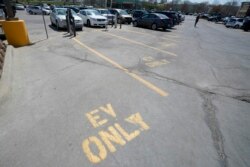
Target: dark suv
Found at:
172, 16
246, 25
138, 13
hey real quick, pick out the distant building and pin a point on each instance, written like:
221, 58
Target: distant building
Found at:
244, 10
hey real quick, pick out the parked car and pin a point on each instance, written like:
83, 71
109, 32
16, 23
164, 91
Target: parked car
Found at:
129, 11
138, 13
2, 14
246, 25
75, 9
123, 16
37, 10
85, 7
235, 22
182, 17
225, 20
20, 6
204, 16
58, 18
92, 17
177, 18
173, 18
105, 12
153, 21
215, 18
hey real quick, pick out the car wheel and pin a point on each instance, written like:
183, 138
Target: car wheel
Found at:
153, 26
88, 23
236, 26
135, 24
30, 12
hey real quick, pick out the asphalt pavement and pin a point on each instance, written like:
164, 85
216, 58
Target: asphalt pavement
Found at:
127, 97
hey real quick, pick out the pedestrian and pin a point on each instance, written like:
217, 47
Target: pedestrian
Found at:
196, 20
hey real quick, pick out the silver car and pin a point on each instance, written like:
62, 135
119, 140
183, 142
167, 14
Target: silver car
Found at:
107, 14
2, 14
58, 18
37, 10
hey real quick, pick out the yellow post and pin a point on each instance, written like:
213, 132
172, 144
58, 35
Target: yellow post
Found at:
16, 32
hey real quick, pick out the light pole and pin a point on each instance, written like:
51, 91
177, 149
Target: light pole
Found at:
111, 1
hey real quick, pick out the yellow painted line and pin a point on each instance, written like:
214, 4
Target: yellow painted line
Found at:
148, 33
142, 44
172, 40
142, 33
138, 78
167, 45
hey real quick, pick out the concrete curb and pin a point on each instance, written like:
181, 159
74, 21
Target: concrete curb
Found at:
5, 81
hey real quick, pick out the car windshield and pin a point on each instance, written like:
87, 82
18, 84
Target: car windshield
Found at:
93, 12
61, 11
104, 12
123, 12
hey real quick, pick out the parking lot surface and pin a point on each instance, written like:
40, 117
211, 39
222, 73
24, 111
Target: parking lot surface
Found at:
128, 97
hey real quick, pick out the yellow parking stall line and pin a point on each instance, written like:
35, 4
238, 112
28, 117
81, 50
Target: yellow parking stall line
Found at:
167, 45
115, 64
145, 33
142, 44
142, 33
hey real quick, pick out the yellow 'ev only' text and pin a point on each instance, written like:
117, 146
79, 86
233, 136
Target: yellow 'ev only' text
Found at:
115, 134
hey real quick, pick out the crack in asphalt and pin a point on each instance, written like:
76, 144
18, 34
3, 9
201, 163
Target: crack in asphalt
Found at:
210, 118
244, 97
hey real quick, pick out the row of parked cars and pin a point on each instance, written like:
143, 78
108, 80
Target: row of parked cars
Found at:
232, 21
243, 23
157, 19
102, 17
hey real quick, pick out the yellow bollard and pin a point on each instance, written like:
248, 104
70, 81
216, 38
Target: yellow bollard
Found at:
16, 32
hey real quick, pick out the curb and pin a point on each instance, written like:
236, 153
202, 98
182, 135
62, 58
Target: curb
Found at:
5, 81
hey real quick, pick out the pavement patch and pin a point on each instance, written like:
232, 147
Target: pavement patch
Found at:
152, 62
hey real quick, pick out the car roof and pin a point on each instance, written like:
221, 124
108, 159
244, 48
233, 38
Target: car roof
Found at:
139, 10
61, 8
89, 10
